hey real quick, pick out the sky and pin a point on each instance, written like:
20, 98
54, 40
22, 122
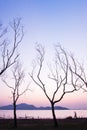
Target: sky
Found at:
47, 22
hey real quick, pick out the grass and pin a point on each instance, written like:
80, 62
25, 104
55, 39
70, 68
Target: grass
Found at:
44, 124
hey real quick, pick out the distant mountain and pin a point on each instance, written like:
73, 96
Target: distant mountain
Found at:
24, 106
56, 108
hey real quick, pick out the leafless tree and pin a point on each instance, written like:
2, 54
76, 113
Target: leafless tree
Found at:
17, 80
8, 48
78, 70
60, 74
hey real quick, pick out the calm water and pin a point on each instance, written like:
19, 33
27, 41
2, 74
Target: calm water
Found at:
42, 113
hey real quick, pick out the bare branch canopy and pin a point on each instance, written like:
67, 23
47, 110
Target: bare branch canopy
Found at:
8, 48
59, 72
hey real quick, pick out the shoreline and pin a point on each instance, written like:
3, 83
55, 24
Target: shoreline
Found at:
45, 124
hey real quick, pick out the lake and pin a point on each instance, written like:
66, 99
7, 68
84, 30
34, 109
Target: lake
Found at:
42, 113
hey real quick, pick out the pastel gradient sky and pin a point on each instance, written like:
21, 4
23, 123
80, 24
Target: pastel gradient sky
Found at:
48, 22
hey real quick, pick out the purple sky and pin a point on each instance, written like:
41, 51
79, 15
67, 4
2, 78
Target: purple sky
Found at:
48, 22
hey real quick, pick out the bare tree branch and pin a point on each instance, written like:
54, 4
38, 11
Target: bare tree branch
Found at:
58, 74
9, 57
79, 72
18, 76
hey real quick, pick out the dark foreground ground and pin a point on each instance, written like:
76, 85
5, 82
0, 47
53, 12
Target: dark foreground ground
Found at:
44, 124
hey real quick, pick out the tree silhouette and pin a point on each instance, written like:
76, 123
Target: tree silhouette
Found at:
8, 49
60, 74
79, 72
17, 78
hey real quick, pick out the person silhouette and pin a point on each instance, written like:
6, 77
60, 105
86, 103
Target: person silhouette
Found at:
75, 115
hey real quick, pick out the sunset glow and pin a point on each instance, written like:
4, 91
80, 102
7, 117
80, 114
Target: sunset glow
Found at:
47, 22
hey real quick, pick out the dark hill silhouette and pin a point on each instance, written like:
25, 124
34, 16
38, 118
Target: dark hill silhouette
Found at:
24, 106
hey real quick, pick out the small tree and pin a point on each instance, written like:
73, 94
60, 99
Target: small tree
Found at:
60, 74
18, 77
8, 50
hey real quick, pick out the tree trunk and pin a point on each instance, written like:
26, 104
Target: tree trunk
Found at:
15, 118
54, 116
